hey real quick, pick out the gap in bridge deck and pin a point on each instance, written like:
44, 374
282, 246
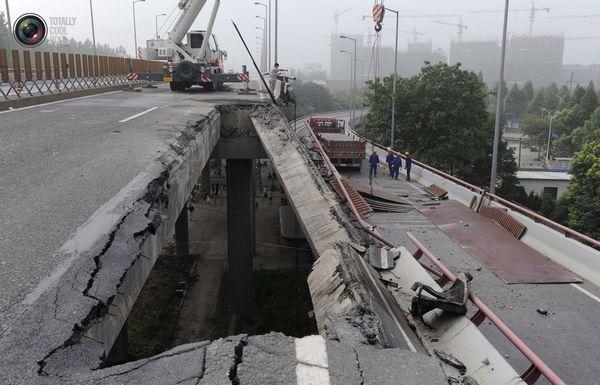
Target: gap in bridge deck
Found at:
187, 299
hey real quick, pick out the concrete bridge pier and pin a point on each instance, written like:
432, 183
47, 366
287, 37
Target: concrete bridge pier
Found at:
119, 352
241, 240
182, 234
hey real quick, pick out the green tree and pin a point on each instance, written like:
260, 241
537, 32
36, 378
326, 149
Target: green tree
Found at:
589, 101
578, 94
565, 97
583, 194
529, 92
551, 98
311, 98
516, 101
441, 118
536, 130
537, 103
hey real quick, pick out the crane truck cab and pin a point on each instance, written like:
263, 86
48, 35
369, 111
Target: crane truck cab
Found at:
204, 70
193, 57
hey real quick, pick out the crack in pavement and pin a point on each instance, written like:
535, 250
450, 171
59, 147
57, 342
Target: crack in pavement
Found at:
239, 353
358, 367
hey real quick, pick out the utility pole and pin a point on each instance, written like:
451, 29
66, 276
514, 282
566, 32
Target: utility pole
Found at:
156, 23
93, 29
551, 114
352, 64
353, 93
395, 86
267, 34
276, 27
9, 37
135, 29
499, 103
270, 34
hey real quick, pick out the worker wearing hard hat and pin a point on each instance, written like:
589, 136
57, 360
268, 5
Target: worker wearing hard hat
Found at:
396, 165
408, 161
374, 162
388, 160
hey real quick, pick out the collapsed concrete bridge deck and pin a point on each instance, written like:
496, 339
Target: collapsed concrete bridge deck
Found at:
65, 329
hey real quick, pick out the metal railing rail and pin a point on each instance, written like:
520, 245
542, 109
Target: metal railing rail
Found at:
567, 232
537, 368
31, 73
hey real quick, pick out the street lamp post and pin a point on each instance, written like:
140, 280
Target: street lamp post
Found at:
352, 64
499, 103
353, 96
263, 59
267, 30
156, 22
551, 114
395, 85
135, 29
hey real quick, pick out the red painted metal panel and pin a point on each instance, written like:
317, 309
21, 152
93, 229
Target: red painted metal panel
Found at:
508, 258
3, 65
16, 65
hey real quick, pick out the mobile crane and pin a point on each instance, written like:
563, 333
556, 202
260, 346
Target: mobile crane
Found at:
197, 62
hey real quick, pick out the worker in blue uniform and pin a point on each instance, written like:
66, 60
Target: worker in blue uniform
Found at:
408, 161
374, 163
396, 164
388, 160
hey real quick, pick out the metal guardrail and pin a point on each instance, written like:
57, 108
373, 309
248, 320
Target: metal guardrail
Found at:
537, 368
569, 233
50, 73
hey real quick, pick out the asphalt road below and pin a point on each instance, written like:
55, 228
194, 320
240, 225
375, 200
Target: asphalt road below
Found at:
59, 162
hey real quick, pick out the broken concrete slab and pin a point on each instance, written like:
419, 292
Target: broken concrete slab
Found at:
394, 366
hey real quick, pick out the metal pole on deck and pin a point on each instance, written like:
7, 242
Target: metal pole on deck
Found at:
395, 86
499, 103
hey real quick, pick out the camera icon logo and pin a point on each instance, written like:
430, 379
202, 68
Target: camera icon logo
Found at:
30, 30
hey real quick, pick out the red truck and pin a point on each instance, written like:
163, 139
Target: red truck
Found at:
343, 151
327, 125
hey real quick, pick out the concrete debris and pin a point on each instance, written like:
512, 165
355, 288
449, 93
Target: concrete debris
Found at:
382, 258
453, 300
449, 359
468, 380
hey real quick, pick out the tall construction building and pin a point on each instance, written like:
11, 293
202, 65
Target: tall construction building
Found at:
538, 59
410, 61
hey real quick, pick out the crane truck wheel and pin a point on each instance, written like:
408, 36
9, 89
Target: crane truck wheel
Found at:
177, 86
186, 71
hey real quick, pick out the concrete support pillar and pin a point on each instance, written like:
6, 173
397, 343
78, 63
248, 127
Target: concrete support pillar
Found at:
182, 234
118, 354
241, 239
205, 181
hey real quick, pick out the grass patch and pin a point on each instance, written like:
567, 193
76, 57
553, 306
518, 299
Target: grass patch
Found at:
153, 319
281, 303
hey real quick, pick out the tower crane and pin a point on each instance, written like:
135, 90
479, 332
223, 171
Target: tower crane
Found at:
461, 27
336, 17
574, 16
532, 13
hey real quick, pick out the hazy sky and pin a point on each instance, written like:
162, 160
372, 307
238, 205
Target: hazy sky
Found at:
305, 25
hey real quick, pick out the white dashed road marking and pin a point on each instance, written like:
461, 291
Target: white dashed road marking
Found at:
313, 366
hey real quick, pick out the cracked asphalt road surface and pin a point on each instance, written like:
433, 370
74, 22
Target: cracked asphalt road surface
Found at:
60, 162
